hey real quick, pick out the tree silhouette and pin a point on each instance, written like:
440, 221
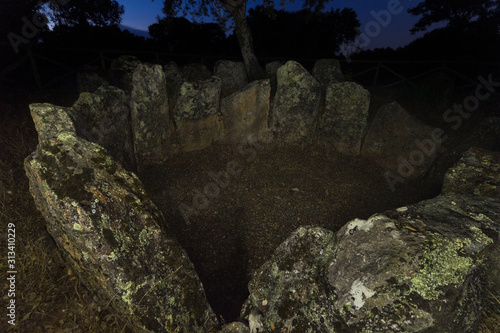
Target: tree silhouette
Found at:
301, 34
460, 14
100, 13
178, 35
222, 10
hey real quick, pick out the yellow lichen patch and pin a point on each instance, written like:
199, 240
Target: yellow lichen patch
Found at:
443, 264
480, 237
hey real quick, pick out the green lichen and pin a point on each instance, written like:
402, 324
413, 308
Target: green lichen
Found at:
443, 264
145, 235
127, 292
480, 237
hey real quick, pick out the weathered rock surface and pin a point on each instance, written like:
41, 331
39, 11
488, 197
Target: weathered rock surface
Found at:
175, 79
196, 116
245, 112
272, 74
327, 72
195, 72
121, 72
104, 120
477, 172
416, 269
296, 104
345, 118
149, 115
89, 81
114, 237
233, 76
50, 120
485, 135
235, 327
400, 143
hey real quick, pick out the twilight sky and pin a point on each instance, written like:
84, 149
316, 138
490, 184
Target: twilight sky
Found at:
139, 14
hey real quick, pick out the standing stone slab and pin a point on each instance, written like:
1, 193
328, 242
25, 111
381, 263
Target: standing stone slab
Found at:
415, 269
149, 115
477, 172
106, 121
272, 74
50, 120
196, 116
296, 104
233, 76
485, 135
327, 72
88, 79
344, 121
174, 78
245, 112
122, 70
113, 237
196, 72
400, 143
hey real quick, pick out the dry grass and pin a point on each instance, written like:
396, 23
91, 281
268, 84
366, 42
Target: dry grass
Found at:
491, 314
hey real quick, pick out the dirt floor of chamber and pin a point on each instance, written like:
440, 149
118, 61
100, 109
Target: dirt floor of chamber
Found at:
231, 207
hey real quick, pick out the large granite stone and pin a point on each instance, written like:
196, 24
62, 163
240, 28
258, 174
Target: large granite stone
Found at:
114, 238
246, 112
345, 118
296, 104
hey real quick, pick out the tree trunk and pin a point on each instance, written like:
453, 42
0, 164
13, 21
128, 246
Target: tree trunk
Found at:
238, 12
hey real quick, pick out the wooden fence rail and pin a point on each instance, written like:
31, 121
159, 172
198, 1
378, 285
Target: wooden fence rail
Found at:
102, 58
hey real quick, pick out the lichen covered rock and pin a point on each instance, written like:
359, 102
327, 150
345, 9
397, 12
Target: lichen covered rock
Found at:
88, 79
233, 76
196, 72
121, 71
485, 135
50, 120
246, 112
149, 115
105, 118
416, 269
174, 79
296, 104
235, 327
114, 237
477, 172
401, 144
197, 120
272, 75
327, 72
345, 117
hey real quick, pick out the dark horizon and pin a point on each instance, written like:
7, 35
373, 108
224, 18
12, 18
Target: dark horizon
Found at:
139, 15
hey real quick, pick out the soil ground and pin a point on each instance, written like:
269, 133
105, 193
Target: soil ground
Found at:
230, 208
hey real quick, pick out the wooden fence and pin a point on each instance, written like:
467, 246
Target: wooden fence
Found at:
48, 66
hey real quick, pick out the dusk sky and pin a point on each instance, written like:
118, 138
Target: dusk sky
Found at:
139, 14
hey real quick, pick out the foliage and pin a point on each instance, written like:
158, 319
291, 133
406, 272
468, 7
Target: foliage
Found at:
98, 13
458, 14
222, 10
178, 35
302, 34
12, 13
